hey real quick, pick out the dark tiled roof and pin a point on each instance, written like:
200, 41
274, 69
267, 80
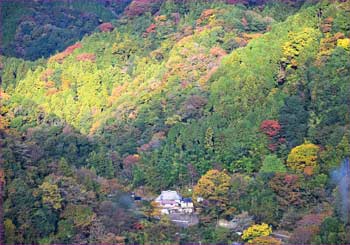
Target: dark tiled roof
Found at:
187, 199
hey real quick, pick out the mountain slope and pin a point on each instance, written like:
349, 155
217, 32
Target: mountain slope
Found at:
164, 101
35, 29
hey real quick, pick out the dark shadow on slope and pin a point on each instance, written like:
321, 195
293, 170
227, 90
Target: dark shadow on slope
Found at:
45, 149
34, 29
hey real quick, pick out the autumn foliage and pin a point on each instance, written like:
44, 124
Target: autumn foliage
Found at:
213, 187
287, 188
68, 51
270, 127
256, 231
151, 28
196, 107
344, 43
47, 74
297, 42
218, 52
86, 57
154, 143
307, 228
106, 27
327, 24
304, 234
206, 14
131, 160
138, 7
303, 157
265, 240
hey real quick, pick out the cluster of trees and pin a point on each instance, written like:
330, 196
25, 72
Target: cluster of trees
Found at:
247, 109
36, 29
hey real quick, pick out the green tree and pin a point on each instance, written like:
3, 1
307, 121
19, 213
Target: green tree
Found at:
209, 139
294, 121
64, 167
101, 162
272, 164
332, 231
333, 156
81, 215
44, 221
65, 231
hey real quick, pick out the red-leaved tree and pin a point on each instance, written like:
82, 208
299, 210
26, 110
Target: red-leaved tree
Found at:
288, 189
86, 57
106, 27
270, 127
68, 51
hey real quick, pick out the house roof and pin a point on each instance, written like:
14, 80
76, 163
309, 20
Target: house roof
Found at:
187, 200
168, 196
164, 202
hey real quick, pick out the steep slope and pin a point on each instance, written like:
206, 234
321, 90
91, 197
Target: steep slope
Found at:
161, 101
34, 29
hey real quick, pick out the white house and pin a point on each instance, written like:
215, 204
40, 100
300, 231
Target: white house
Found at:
186, 205
172, 202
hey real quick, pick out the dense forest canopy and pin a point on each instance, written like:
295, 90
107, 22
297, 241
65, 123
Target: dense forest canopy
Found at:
241, 105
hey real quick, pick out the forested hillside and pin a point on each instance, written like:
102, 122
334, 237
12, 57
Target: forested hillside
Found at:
33, 29
241, 105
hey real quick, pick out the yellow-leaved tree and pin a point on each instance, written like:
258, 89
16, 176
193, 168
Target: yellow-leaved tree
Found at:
344, 43
303, 158
266, 240
255, 231
213, 191
51, 194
